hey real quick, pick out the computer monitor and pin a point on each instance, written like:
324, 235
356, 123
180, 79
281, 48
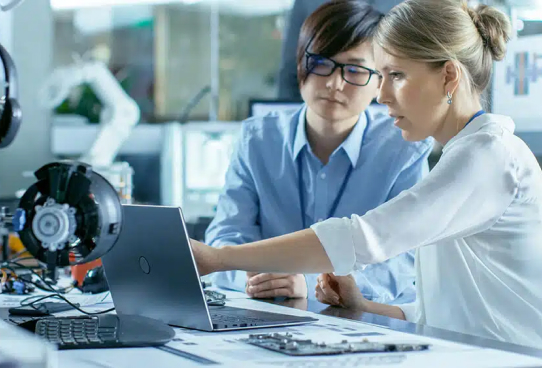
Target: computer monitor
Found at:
206, 151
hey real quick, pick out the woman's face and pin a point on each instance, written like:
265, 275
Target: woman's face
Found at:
414, 93
331, 97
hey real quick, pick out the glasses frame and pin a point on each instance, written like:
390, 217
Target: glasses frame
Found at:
338, 65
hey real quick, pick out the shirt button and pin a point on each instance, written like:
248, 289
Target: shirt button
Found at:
323, 176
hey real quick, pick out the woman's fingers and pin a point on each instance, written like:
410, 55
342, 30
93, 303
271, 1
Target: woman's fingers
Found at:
321, 296
326, 290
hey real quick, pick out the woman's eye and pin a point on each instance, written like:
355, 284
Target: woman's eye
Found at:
396, 76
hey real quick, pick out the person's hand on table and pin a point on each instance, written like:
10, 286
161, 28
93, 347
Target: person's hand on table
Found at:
271, 285
339, 291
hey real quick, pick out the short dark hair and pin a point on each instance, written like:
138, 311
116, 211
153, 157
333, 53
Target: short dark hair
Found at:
335, 27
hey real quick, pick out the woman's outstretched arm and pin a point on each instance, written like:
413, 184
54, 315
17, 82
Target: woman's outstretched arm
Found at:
299, 252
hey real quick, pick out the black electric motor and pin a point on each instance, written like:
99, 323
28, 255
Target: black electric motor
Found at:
71, 215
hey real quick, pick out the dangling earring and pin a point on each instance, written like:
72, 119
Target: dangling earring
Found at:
449, 95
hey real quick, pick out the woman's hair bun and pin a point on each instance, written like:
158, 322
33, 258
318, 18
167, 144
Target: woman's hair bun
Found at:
494, 27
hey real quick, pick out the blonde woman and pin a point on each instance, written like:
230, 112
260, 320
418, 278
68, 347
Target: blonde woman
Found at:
475, 220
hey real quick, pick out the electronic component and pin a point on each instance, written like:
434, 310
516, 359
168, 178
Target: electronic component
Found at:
214, 295
19, 286
214, 298
71, 215
95, 281
287, 344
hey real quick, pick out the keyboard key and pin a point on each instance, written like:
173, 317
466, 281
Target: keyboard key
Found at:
108, 338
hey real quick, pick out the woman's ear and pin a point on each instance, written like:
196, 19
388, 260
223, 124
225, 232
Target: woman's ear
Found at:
452, 73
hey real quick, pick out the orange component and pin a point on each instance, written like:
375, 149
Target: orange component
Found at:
80, 271
16, 245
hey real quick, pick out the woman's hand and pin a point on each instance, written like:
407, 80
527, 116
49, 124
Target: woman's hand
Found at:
341, 291
207, 258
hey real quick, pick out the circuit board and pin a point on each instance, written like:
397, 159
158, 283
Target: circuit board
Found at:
287, 344
215, 298
214, 295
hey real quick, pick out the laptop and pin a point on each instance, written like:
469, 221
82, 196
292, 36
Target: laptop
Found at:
151, 272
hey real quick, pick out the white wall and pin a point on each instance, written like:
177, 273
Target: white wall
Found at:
29, 40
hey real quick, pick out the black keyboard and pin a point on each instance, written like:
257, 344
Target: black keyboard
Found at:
104, 331
79, 332
19, 320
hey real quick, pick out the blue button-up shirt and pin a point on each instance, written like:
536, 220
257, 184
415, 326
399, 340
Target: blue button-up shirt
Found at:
261, 197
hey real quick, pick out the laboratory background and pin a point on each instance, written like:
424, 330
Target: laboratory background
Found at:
152, 94
177, 78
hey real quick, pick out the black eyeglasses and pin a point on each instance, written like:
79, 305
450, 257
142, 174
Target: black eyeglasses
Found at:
351, 73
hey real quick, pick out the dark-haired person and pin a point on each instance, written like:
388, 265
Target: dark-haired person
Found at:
287, 78
330, 158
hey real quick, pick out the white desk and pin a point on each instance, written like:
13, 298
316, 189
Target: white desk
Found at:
196, 349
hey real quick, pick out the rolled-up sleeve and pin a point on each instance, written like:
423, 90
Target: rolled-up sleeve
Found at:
333, 232
410, 310
466, 193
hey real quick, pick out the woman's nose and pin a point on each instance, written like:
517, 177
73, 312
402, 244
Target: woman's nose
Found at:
384, 94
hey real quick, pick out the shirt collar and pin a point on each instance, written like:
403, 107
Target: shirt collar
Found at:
477, 124
300, 139
351, 145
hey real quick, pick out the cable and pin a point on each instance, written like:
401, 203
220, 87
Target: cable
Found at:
11, 270
39, 284
57, 292
43, 284
20, 265
15, 259
56, 295
48, 286
19, 253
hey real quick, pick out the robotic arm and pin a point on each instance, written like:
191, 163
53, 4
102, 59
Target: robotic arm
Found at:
119, 115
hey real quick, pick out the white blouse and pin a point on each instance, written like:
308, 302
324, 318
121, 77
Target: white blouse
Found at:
476, 222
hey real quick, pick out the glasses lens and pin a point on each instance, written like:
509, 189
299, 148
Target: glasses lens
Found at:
356, 75
319, 65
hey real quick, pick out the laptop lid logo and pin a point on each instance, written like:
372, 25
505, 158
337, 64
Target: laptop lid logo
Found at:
144, 264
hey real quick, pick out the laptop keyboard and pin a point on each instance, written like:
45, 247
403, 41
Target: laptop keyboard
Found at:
231, 318
234, 321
